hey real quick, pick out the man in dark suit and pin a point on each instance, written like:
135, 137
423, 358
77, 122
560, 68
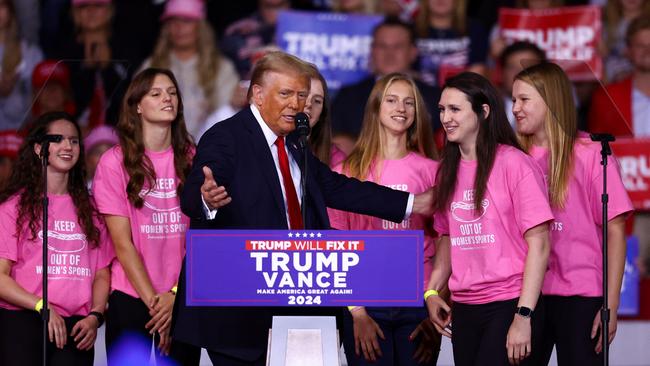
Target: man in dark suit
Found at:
246, 175
393, 50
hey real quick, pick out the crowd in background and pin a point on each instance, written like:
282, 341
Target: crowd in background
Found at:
110, 73
78, 56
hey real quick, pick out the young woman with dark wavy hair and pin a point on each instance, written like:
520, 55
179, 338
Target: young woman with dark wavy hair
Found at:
79, 252
492, 215
136, 186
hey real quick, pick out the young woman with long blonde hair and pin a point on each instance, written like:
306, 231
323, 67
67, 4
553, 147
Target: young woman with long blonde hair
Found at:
187, 46
395, 149
546, 123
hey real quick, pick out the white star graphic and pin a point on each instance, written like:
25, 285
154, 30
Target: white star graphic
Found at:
290, 235
319, 235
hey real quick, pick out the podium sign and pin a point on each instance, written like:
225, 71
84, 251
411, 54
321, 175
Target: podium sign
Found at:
304, 268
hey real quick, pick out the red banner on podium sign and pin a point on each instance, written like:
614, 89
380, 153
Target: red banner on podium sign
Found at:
569, 33
634, 158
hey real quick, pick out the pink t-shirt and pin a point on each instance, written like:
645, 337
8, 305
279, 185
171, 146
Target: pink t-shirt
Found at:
157, 229
72, 262
575, 264
413, 173
488, 249
336, 156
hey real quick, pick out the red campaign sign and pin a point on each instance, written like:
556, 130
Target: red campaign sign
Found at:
634, 159
569, 33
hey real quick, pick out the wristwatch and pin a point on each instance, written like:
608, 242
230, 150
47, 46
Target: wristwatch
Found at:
99, 316
524, 311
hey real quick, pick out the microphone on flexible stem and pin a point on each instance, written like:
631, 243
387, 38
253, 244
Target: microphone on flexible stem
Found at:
45, 141
602, 137
302, 128
51, 138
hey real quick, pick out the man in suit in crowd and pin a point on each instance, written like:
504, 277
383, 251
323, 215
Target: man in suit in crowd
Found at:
393, 50
246, 175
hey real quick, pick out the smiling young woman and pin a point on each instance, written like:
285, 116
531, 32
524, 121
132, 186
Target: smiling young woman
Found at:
492, 213
79, 247
395, 149
546, 123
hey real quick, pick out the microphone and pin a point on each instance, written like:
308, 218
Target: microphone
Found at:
51, 138
602, 137
45, 140
302, 128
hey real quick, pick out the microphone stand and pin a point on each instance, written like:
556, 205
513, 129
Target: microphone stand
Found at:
302, 128
605, 150
303, 179
45, 313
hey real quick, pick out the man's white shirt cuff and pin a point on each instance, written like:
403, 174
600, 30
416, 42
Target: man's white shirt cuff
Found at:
210, 214
409, 206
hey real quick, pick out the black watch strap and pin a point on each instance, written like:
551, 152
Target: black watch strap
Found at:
524, 311
99, 316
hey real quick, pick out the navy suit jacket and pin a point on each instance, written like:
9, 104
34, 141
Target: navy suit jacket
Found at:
241, 160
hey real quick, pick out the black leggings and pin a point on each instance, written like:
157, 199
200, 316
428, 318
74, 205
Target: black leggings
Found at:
479, 333
568, 326
128, 315
21, 334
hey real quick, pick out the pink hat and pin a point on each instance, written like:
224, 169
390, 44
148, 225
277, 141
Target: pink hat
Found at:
100, 135
191, 9
85, 2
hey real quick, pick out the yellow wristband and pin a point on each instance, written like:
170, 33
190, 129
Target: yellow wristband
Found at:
430, 293
39, 306
353, 308
174, 290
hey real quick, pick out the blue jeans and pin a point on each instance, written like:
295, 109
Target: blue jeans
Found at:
397, 324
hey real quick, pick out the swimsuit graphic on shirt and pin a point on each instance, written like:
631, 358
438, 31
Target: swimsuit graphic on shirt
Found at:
154, 199
53, 237
162, 209
68, 248
471, 235
464, 211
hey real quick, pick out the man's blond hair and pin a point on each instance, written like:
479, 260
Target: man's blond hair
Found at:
279, 62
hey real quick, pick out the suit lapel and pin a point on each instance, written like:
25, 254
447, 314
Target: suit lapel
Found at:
263, 154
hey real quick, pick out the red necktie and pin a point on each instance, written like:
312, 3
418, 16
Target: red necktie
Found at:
295, 217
